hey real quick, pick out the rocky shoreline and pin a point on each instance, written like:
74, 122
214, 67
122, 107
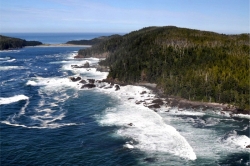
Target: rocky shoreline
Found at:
161, 98
181, 103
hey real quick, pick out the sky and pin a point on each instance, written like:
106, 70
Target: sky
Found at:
123, 16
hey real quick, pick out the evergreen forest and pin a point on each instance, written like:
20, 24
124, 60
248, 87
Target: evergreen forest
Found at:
13, 43
192, 64
90, 42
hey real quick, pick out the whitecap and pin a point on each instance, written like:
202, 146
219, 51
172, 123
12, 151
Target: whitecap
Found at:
148, 130
177, 111
241, 116
15, 51
8, 100
11, 67
238, 141
11, 60
47, 126
129, 146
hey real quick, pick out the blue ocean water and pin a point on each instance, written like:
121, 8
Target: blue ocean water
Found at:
46, 119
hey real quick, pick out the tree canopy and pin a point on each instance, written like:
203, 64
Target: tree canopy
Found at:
13, 43
92, 41
192, 64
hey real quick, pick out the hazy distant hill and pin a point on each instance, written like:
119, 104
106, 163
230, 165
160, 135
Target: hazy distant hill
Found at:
12, 43
92, 41
193, 64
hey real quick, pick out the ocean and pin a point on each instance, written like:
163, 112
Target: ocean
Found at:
47, 119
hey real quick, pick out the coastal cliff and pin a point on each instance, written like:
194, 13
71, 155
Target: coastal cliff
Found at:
187, 63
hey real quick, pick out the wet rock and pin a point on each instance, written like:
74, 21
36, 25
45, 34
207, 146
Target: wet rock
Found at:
241, 111
86, 65
154, 106
158, 101
98, 81
248, 146
143, 92
130, 124
83, 81
130, 98
76, 66
74, 79
88, 86
91, 81
117, 87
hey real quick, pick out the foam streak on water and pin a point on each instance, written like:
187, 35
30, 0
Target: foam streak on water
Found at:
8, 100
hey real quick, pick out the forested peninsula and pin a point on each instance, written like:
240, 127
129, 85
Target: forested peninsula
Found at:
14, 43
187, 63
92, 41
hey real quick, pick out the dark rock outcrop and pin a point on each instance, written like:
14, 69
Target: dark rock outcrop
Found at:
86, 65
154, 106
158, 101
83, 81
130, 124
117, 87
88, 86
74, 79
91, 81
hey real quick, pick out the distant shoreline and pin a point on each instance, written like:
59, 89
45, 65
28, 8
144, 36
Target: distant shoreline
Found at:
60, 45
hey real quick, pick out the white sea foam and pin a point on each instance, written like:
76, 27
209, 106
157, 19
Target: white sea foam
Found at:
235, 140
147, 129
22, 112
54, 83
176, 111
11, 60
129, 146
241, 116
47, 126
143, 125
8, 100
6, 59
11, 67
10, 50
